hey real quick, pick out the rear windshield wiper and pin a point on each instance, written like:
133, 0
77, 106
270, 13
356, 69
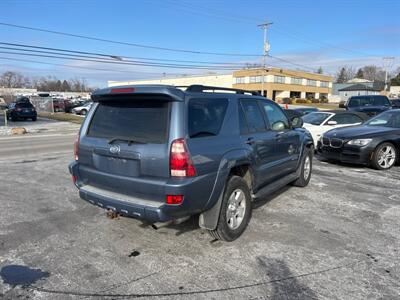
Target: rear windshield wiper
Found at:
202, 133
123, 139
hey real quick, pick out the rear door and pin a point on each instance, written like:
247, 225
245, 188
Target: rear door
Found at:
286, 140
126, 141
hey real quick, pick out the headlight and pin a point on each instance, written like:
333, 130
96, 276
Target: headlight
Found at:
359, 142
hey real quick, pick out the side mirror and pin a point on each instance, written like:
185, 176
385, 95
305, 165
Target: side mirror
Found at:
332, 123
278, 126
297, 122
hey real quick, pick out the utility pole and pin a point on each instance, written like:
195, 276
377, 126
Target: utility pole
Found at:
387, 63
266, 48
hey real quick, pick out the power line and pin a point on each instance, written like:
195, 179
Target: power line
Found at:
126, 43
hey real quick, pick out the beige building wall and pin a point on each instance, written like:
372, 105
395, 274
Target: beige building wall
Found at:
213, 80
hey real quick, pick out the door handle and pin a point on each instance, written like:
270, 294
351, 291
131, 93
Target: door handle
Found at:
250, 141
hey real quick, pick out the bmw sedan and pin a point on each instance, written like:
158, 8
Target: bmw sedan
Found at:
376, 143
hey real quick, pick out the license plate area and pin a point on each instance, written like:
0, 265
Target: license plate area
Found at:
116, 165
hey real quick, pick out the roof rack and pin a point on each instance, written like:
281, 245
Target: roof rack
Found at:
201, 88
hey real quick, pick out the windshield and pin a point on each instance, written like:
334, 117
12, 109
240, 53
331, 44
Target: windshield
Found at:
386, 119
367, 101
316, 118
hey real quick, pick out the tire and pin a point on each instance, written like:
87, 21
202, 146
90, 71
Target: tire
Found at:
385, 156
34, 119
306, 169
229, 229
83, 112
14, 119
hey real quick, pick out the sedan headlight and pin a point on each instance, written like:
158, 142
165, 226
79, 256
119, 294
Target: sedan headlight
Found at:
359, 142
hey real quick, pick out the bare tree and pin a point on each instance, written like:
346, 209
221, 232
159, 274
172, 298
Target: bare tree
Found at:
345, 74
373, 73
10, 79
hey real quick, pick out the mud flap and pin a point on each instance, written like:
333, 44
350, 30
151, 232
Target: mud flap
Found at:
209, 219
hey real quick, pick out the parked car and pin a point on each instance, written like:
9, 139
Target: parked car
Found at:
369, 104
317, 123
375, 143
82, 110
21, 110
161, 154
395, 103
58, 105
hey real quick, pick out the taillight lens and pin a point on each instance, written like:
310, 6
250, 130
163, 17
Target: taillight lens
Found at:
180, 163
76, 147
174, 199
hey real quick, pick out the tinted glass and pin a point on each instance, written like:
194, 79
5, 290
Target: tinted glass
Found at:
364, 101
343, 119
142, 121
274, 114
206, 116
315, 118
242, 121
24, 105
386, 119
253, 115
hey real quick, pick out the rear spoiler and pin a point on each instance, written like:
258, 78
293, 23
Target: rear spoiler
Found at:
169, 93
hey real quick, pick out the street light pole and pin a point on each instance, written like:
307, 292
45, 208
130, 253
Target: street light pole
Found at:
387, 63
266, 48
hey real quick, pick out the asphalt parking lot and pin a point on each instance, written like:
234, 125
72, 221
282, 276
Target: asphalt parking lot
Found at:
339, 238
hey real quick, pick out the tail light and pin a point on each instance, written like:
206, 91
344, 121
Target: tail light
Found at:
174, 199
180, 163
76, 147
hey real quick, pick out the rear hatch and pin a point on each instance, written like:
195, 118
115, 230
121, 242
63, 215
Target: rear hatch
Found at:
124, 145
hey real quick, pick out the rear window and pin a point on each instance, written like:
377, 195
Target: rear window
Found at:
24, 105
365, 101
206, 116
141, 121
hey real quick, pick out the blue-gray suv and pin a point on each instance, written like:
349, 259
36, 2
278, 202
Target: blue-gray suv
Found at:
163, 153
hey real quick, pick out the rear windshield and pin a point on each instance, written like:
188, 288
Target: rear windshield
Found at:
206, 116
143, 121
365, 101
24, 105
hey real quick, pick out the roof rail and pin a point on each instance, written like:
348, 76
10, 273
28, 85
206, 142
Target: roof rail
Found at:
201, 88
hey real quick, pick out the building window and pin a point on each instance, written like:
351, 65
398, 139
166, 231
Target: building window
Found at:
311, 82
255, 79
324, 84
296, 80
279, 79
240, 80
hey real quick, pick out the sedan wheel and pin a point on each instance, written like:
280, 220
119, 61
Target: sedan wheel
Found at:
384, 157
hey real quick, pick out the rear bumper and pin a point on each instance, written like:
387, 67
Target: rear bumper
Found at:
346, 154
151, 209
25, 114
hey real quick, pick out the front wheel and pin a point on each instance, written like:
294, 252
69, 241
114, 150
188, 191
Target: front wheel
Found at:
306, 168
235, 210
384, 157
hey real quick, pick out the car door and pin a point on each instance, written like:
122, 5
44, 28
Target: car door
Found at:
287, 140
258, 139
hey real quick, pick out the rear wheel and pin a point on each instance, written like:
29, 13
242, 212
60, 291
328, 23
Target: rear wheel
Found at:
384, 157
34, 119
306, 168
235, 210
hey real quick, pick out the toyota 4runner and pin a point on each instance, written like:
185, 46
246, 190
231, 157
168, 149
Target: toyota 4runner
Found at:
163, 153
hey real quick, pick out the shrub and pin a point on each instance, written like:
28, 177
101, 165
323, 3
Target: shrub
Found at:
315, 100
302, 101
287, 101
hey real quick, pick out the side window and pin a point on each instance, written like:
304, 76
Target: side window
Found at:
343, 119
244, 128
275, 114
206, 116
255, 120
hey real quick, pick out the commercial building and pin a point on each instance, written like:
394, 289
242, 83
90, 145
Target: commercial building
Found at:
358, 89
282, 83
277, 83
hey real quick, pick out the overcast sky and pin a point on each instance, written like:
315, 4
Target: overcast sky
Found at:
309, 33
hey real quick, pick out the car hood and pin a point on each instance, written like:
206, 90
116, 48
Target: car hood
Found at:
362, 131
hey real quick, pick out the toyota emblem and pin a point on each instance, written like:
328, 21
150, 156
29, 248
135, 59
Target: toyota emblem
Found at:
115, 149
